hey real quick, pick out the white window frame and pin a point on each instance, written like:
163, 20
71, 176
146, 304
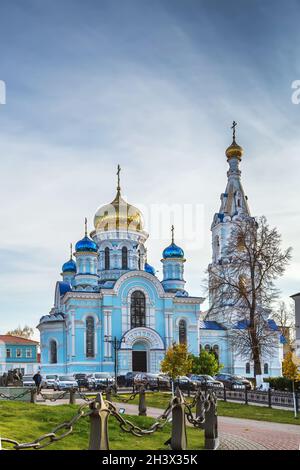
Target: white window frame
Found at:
28, 353
19, 353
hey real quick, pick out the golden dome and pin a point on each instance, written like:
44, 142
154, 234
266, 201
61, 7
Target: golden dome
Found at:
118, 215
234, 150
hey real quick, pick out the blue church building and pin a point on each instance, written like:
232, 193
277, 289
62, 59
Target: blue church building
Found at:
109, 291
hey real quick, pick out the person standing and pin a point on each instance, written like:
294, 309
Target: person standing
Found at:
38, 381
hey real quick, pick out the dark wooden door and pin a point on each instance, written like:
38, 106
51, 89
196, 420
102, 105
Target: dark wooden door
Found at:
139, 361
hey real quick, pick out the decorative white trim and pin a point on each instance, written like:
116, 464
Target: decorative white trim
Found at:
142, 334
142, 274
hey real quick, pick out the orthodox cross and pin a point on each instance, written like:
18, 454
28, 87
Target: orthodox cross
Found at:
85, 226
234, 124
118, 174
71, 249
172, 230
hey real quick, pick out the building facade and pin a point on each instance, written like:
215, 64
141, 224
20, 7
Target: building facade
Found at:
110, 293
18, 353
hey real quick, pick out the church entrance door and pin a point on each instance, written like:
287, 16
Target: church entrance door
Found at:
139, 361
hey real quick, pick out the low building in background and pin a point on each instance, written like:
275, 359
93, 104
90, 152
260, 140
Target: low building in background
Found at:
18, 353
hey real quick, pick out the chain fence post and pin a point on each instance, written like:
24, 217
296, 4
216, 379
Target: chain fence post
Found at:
72, 399
142, 402
211, 424
270, 398
99, 439
108, 393
246, 395
178, 437
33, 395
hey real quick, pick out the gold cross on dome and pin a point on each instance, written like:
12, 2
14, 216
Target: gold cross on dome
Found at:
118, 174
172, 230
234, 124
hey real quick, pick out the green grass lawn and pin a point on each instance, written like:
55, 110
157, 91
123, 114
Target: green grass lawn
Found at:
25, 422
236, 410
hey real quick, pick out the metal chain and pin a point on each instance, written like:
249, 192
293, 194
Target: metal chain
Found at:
53, 436
8, 397
52, 398
126, 400
129, 427
85, 397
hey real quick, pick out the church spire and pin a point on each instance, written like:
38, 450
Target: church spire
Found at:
118, 175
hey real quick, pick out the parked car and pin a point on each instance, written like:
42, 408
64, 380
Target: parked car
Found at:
233, 382
65, 382
207, 380
128, 378
100, 380
152, 381
84, 381
185, 383
48, 380
27, 381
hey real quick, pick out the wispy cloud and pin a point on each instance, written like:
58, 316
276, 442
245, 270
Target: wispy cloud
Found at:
152, 86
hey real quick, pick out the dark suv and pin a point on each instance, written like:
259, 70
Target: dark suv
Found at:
234, 382
152, 381
83, 381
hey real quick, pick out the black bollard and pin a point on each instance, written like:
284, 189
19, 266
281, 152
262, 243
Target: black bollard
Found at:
142, 402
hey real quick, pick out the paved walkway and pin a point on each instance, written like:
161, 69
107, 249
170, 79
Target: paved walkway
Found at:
235, 433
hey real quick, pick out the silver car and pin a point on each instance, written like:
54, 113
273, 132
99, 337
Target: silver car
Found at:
65, 382
28, 381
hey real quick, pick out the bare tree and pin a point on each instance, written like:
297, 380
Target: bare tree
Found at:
242, 286
25, 332
284, 316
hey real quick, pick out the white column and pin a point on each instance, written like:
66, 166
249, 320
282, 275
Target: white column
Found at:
167, 336
73, 352
171, 328
109, 333
105, 334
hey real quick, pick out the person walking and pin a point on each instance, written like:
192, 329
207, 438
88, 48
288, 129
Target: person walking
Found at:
37, 378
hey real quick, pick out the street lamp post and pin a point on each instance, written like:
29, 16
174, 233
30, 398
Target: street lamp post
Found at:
116, 344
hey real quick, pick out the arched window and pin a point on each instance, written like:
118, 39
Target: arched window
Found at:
266, 368
106, 258
139, 259
124, 258
138, 309
90, 337
53, 352
216, 350
182, 332
247, 369
207, 348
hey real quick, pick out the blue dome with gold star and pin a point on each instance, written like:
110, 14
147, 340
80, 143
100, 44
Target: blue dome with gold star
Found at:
149, 269
69, 266
86, 244
173, 251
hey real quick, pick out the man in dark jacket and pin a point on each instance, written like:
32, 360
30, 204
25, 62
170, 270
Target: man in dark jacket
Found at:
37, 378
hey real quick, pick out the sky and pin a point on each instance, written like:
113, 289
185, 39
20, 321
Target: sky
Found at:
153, 86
